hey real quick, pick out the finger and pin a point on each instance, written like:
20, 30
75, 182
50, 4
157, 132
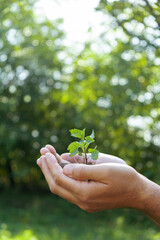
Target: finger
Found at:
66, 157
53, 151
58, 190
83, 172
57, 172
39, 162
44, 150
74, 159
46, 172
62, 162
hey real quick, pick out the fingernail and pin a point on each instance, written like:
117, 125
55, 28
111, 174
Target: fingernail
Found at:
68, 169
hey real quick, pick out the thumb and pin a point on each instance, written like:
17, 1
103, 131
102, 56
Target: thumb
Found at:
85, 172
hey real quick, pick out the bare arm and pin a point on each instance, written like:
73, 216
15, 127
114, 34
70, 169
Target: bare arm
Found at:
150, 203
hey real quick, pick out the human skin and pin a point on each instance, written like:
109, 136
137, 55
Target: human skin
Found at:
107, 184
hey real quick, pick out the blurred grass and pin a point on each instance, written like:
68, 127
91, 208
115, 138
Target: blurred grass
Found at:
41, 216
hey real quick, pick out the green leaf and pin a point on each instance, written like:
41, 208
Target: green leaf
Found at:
81, 147
78, 133
94, 153
89, 140
73, 146
82, 144
92, 135
73, 153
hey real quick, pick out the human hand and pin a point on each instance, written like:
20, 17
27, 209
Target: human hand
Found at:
65, 158
111, 185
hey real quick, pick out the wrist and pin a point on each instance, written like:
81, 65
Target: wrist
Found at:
148, 198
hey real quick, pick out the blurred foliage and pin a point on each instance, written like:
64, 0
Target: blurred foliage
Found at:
34, 216
47, 89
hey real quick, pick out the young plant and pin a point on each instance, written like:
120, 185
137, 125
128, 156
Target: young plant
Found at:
81, 147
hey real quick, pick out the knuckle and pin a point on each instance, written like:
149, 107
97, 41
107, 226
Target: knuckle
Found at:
83, 207
86, 208
52, 188
85, 197
56, 179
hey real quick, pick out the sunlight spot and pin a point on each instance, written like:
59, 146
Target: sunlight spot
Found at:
35, 133
27, 98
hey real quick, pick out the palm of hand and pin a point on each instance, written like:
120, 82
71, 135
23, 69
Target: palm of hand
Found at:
65, 158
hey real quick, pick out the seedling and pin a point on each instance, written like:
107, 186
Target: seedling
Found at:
81, 147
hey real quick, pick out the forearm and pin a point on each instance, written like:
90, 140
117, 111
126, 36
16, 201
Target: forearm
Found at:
150, 199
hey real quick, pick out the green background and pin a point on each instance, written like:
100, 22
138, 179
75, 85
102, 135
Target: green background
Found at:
47, 88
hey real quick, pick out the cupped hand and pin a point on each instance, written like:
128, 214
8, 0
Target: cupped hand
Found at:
65, 158
110, 185
106, 184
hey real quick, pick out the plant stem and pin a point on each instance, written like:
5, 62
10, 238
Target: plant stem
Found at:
86, 158
85, 154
